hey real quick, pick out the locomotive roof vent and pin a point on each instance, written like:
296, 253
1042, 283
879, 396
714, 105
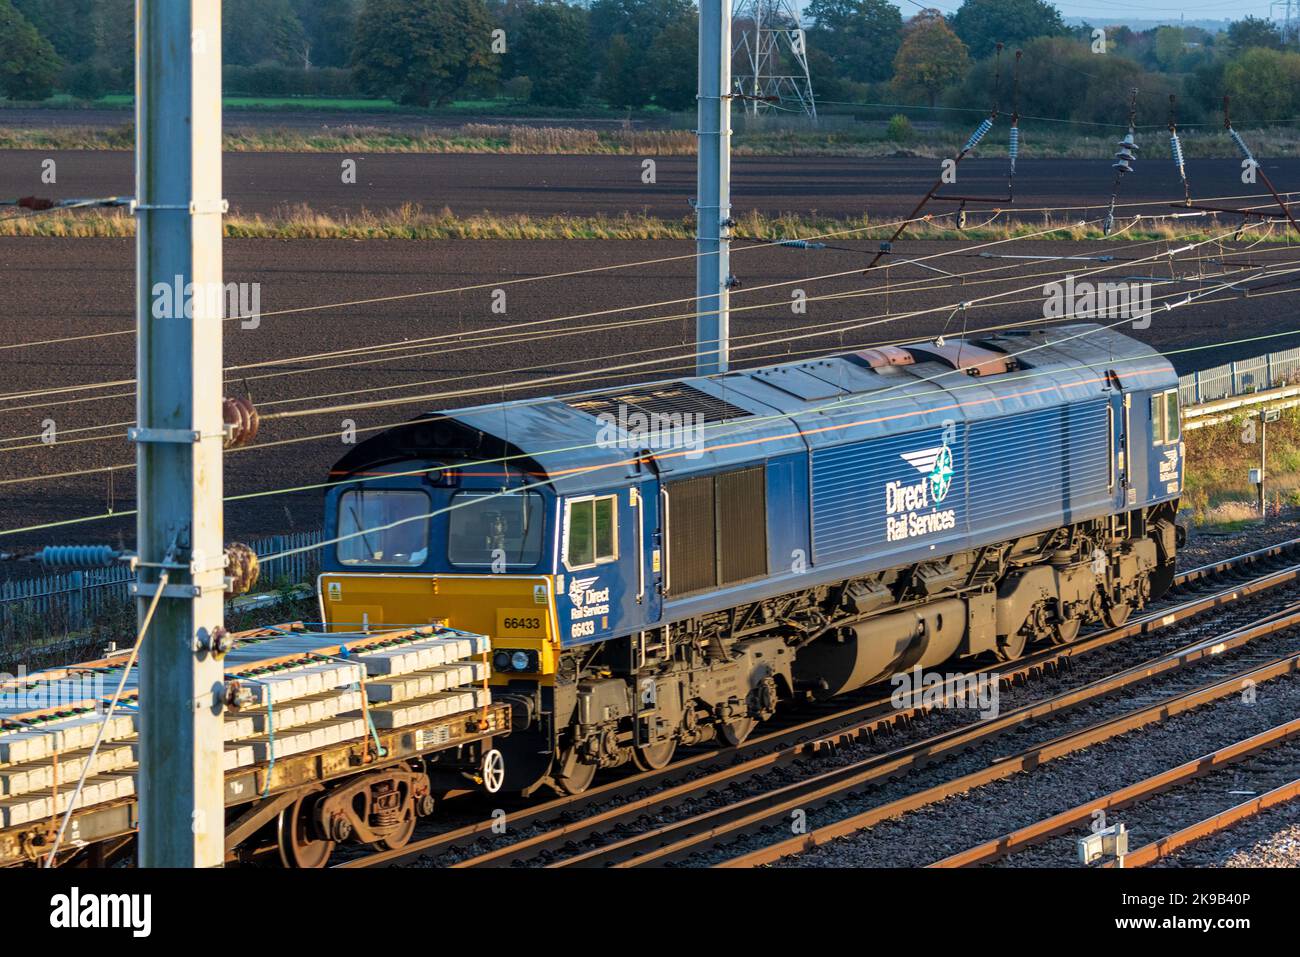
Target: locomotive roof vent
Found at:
672, 398
966, 356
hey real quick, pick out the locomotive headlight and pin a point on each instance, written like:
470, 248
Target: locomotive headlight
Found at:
501, 661
519, 661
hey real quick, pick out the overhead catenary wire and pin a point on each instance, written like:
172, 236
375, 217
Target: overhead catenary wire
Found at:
530, 383
568, 379
739, 429
926, 284
918, 285
814, 334
902, 287
64, 390
570, 273
316, 486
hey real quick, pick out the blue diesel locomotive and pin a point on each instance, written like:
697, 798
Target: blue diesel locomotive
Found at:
662, 564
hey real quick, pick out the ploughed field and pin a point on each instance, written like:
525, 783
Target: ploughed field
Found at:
65, 288
883, 188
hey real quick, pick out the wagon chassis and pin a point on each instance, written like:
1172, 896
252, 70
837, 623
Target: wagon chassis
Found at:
369, 791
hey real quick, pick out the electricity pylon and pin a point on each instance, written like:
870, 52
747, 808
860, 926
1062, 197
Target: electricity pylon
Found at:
771, 58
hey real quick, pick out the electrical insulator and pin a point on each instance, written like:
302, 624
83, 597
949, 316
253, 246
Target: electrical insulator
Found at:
241, 420
78, 556
1176, 151
1109, 224
978, 135
1014, 147
1126, 155
241, 568
1241, 144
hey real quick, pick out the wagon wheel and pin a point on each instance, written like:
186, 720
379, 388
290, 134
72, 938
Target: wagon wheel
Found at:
299, 847
736, 731
654, 756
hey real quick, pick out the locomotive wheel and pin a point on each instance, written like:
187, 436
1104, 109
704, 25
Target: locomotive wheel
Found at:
299, 847
735, 732
578, 779
655, 756
1011, 647
1064, 632
1116, 615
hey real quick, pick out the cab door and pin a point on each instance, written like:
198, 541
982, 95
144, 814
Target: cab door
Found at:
1123, 421
648, 532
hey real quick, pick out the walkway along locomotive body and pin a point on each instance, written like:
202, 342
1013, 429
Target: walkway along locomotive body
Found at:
660, 564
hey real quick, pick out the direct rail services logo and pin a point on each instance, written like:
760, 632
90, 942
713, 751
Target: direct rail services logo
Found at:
905, 504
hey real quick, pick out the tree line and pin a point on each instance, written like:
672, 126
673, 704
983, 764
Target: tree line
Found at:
637, 54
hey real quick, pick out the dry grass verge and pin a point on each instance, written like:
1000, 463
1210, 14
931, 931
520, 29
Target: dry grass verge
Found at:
412, 222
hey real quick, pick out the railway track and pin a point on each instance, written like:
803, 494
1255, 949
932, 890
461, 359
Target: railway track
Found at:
1039, 754
552, 832
1174, 779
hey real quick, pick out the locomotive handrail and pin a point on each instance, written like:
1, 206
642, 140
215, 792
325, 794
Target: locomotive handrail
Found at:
639, 505
667, 509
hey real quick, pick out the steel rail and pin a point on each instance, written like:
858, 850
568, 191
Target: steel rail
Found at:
860, 721
1037, 755
1157, 850
1031, 834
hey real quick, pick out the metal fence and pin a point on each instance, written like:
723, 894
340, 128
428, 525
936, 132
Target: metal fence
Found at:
1240, 378
75, 600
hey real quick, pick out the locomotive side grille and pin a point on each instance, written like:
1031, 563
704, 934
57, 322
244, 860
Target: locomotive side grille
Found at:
692, 555
675, 399
717, 530
742, 525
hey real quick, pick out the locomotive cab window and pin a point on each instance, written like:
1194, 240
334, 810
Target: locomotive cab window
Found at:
485, 527
1165, 422
591, 531
383, 527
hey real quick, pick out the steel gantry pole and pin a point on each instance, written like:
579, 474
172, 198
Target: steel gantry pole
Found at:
713, 189
178, 430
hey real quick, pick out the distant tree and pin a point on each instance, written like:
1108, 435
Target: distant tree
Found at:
1061, 78
28, 63
860, 36
1170, 45
981, 24
930, 58
669, 69
1204, 86
328, 26
1254, 32
619, 85
69, 25
638, 20
422, 51
258, 31
550, 49
1264, 86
